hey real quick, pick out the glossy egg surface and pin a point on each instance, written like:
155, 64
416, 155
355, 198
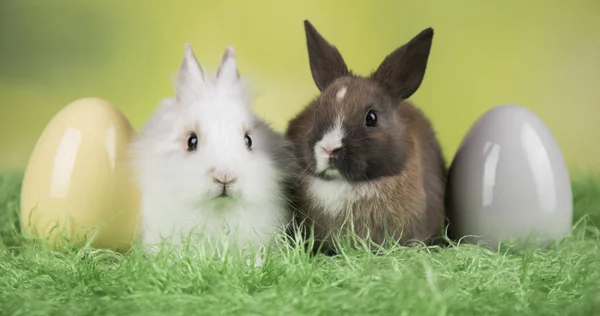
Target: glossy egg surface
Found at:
509, 180
77, 184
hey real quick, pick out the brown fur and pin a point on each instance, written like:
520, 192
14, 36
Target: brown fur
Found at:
400, 159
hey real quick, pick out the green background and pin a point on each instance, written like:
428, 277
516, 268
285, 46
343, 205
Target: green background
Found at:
544, 55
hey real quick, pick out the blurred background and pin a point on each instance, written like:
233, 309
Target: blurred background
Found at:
544, 55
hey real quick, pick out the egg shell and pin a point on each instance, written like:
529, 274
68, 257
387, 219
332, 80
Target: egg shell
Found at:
78, 181
509, 180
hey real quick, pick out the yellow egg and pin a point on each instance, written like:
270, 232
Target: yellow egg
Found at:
78, 182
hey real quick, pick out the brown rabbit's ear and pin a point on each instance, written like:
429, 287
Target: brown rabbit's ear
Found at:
402, 71
326, 62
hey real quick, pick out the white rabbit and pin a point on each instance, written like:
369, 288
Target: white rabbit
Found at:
207, 164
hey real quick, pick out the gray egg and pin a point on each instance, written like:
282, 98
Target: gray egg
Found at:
509, 180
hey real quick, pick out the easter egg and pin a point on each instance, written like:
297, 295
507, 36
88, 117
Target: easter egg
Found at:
509, 180
77, 186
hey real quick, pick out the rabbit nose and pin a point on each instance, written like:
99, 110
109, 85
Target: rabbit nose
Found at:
223, 178
332, 151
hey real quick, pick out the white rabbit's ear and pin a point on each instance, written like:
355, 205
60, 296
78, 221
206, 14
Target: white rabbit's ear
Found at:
191, 81
228, 74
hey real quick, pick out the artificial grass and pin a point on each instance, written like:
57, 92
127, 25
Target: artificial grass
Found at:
455, 280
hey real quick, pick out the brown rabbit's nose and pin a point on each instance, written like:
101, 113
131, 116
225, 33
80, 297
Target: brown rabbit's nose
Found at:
332, 152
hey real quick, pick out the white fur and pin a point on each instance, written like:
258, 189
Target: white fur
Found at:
339, 96
331, 140
338, 196
178, 192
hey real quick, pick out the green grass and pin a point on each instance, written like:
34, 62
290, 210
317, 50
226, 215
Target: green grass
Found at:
456, 280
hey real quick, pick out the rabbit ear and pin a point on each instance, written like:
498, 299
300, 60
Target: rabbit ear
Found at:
402, 71
191, 81
228, 74
326, 62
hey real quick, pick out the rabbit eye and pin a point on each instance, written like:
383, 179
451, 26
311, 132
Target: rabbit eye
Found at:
248, 141
371, 119
192, 142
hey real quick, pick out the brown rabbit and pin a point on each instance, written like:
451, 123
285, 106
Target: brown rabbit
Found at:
371, 160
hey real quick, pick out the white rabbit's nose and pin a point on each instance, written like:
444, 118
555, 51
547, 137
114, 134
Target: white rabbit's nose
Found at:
222, 177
